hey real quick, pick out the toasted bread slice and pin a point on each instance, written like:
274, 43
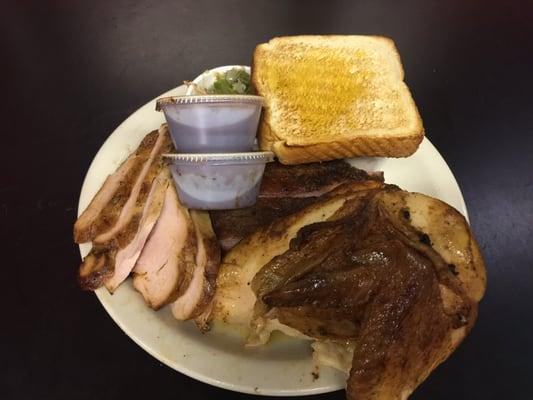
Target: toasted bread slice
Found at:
330, 97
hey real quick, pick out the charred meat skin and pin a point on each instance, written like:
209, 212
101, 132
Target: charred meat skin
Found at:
126, 257
371, 277
232, 226
310, 180
286, 189
94, 270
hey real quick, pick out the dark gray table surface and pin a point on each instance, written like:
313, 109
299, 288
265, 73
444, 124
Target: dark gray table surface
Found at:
71, 71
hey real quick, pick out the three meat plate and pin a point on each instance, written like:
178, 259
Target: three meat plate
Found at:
284, 367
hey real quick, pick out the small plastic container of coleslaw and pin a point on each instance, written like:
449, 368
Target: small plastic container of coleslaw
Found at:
218, 181
212, 123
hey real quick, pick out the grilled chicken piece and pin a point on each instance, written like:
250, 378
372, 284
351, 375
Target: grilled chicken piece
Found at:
125, 230
104, 209
201, 289
234, 298
165, 268
395, 275
286, 189
126, 257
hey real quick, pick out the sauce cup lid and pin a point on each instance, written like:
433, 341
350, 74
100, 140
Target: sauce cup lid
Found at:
252, 157
208, 99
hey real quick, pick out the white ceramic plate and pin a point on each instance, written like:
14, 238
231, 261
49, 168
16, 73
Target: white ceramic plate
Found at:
283, 367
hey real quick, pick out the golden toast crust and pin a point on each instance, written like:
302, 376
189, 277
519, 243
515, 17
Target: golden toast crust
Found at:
364, 108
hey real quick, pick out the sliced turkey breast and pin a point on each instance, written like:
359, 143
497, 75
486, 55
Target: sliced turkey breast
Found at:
126, 228
201, 289
165, 267
127, 256
139, 190
104, 209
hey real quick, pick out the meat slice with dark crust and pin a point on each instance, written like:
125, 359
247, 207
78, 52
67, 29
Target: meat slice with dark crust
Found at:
127, 219
310, 180
127, 224
173, 253
126, 257
165, 268
103, 210
231, 226
201, 289
286, 189
94, 270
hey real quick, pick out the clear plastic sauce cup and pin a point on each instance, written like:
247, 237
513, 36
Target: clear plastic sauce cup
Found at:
212, 123
218, 181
